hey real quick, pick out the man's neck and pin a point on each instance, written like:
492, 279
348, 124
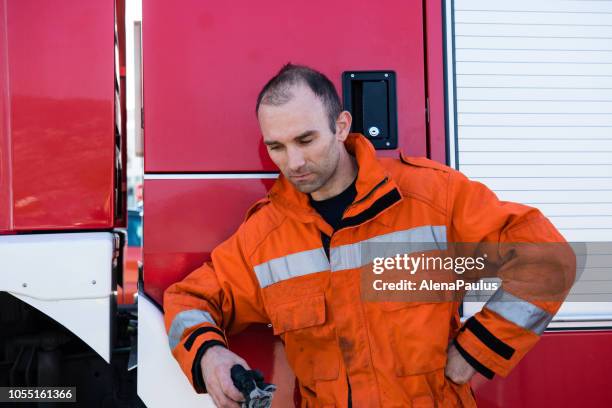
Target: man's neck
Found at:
345, 174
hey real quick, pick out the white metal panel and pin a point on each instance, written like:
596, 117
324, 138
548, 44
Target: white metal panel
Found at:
528, 17
532, 81
547, 56
535, 158
526, 30
547, 183
517, 68
529, 170
512, 119
161, 383
551, 196
533, 94
469, 145
533, 43
577, 210
540, 6
533, 132
66, 276
586, 235
567, 107
598, 222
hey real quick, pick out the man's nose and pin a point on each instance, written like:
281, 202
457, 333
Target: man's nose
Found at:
295, 159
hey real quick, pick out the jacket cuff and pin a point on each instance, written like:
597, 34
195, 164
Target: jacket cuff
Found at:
196, 372
497, 351
192, 347
484, 371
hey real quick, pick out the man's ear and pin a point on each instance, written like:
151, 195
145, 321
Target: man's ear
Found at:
343, 125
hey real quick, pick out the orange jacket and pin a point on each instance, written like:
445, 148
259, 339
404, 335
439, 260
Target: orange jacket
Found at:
273, 270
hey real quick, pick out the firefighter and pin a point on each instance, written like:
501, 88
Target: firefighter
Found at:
294, 264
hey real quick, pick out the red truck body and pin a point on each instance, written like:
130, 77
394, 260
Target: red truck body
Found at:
62, 140
214, 59
58, 115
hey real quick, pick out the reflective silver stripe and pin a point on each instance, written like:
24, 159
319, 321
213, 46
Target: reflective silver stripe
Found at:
519, 311
291, 266
185, 320
424, 238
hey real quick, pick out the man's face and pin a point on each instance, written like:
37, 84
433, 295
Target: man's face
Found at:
299, 139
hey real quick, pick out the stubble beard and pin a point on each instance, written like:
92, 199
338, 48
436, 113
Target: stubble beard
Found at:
325, 173
317, 183
310, 187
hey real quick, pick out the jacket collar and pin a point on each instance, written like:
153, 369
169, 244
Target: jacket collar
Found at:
374, 189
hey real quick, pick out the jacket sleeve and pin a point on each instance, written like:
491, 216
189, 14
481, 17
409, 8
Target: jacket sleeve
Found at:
534, 262
220, 297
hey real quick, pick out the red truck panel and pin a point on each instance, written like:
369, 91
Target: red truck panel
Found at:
5, 150
203, 69
57, 122
186, 219
205, 62
565, 369
434, 62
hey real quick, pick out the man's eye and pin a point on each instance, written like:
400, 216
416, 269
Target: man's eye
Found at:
305, 141
274, 147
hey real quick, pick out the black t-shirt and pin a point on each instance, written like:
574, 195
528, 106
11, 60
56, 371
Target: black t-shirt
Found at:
332, 208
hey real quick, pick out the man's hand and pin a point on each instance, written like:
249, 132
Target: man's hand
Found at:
457, 369
216, 365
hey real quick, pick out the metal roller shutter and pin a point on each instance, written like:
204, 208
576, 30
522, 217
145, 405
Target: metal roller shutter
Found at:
530, 88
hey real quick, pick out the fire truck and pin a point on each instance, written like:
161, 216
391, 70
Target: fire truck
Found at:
516, 95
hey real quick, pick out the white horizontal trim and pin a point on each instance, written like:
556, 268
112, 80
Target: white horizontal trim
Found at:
575, 312
577, 145
550, 56
540, 6
501, 43
536, 132
574, 68
552, 197
21, 294
530, 17
537, 158
505, 170
572, 324
537, 82
576, 31
580, 324
515, 107
534, 119
209, 176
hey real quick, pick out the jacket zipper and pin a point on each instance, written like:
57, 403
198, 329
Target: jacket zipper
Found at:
376, 187
327, 249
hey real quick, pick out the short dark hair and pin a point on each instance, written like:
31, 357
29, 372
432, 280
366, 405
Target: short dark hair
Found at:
278, 90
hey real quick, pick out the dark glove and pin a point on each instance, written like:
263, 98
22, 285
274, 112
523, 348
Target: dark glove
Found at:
250, 383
